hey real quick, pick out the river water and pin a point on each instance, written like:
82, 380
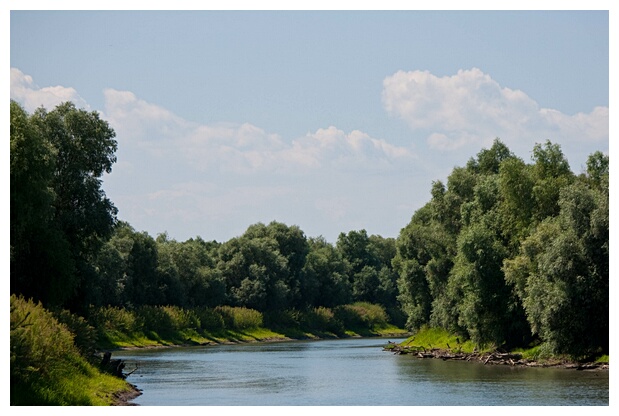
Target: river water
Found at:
346, 372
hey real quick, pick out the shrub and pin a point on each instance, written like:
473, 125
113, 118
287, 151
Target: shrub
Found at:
240, 317
182, 318
154, 319
112, 318
39, 343
85, 336
348, 316
373, 315
209, 319
288, 318
361, 315
46, 367
321, 319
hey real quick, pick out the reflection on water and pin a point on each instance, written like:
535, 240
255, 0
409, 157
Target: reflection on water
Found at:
350, 372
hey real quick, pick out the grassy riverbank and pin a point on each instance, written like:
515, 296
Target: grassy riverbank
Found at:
438, 343
169, 325
56, 356
48, 364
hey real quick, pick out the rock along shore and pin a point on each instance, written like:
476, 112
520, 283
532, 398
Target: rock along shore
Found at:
489, 358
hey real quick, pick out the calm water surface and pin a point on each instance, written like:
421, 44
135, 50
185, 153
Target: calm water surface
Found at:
349, 372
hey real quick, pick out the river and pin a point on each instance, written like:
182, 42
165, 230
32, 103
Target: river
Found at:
346, 372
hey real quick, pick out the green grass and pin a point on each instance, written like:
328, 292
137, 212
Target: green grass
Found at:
47, 367
73, 388
430, 338
603, 359
390, 330
165, 326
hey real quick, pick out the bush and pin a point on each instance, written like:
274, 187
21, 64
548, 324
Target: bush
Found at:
209, 319
85, 336
373, 315
182, 318
154, 319
240, 318
361, 315
39, 343
46, 366
288, 318
348, 316
321, 319
112, 318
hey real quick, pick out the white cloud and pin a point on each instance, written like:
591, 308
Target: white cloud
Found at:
335, 148
471, 108
243, 148
31, 96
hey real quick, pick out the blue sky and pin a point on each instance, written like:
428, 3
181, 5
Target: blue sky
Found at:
329, 120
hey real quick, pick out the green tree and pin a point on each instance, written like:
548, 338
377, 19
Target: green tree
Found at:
41, 261
292, 244
516, 183
370, 271
325, 275
483, 295
142, 285
551, 172
188, 272
255, 273
62, 154
561, 274
489, 160
598, 168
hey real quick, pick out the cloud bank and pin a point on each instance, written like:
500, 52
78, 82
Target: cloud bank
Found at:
31, 96
244, 148
471, 108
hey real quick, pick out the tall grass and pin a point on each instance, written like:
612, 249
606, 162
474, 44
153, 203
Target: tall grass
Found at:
46, 366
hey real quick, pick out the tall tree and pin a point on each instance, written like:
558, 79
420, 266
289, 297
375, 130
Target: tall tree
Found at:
325, 275
561, 273
551, 172
78, 148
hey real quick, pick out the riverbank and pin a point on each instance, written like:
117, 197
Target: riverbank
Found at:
492, 358
124, 398
346, 372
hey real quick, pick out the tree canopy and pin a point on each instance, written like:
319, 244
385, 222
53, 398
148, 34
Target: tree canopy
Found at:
60, 215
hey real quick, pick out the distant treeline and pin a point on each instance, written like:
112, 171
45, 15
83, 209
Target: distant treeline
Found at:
506, 253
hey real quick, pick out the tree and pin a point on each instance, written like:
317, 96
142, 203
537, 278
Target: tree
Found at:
598, 168
325, 276
516, 183
188, 273
42, 266
370, 272
255, 272
293, 246
61, 214
477, 275
551, 172
489, 160
561, 274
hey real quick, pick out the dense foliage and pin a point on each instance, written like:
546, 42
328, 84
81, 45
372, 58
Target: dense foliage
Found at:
510, 252
505, 253
60, 216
